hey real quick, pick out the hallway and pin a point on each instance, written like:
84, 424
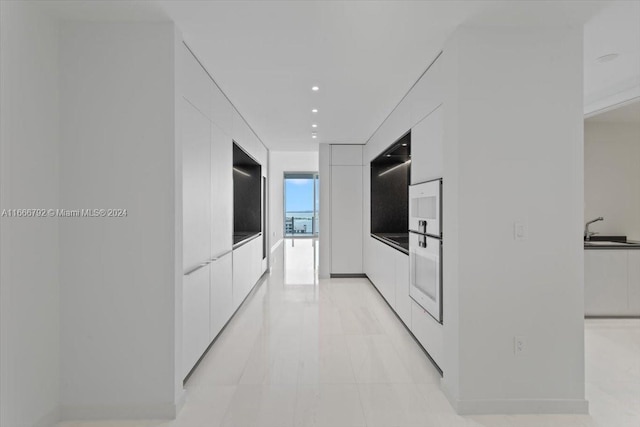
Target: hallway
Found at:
334, 354
331, 354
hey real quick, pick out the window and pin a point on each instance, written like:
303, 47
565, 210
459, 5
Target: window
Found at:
301, 204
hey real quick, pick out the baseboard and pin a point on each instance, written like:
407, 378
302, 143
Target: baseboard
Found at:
49, 419
116, 412
348, 276
517, 406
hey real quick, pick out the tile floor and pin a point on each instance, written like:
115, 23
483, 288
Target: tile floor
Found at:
303, 352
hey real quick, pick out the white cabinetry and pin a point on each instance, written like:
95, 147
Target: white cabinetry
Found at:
222, 111
256, 259
612, 282
195, 318
346, 219
427, 93
194, 83
389, 272
428, 332
241, 273
221, 188
196, 199
427, 148
221, 293
385, 280
208, 124
402, 298
376, 262
390, 275
196, 186
634, 282
247, 265
346, 155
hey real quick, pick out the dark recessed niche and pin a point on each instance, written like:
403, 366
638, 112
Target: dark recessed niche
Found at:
247, 195
390, 175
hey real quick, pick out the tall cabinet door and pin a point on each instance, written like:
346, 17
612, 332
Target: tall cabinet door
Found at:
346, 219
427, 148
196, 186
221, 285
196, 215
221, 191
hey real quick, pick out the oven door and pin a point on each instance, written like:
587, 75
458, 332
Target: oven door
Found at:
425, 264
425, 208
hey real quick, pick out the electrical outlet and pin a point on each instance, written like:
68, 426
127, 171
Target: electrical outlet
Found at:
519, 231
519, 345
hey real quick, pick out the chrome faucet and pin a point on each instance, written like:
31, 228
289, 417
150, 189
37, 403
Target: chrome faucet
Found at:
587, 233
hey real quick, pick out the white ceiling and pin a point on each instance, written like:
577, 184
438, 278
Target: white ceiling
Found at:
364, 55
616, 29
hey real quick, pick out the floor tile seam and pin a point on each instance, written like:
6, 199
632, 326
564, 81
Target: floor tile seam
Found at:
355, 377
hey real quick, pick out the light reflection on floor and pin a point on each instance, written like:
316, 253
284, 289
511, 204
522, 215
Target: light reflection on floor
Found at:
301, 261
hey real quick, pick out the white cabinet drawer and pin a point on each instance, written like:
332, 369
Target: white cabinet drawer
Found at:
428, 332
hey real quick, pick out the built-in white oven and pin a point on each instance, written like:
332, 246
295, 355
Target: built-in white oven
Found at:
425, 263
425, 208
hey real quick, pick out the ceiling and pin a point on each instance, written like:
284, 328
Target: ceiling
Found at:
615, 30
363, 55
629, 113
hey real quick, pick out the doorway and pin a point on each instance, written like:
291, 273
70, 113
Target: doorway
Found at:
301, 204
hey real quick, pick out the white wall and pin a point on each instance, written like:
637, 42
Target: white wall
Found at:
279, 163
324, 237
29, 303
118, 274
612, 177
513, 153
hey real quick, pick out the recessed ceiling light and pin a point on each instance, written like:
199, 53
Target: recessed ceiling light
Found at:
314, 136
315, 88
315, 110
388, 155
607, 58
314, 125
404, 145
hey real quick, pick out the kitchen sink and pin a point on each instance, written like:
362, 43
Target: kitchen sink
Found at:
604, 243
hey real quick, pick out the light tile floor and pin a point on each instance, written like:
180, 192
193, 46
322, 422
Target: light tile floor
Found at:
333, 354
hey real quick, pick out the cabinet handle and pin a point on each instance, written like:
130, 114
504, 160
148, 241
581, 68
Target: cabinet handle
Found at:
217, 257
194, 269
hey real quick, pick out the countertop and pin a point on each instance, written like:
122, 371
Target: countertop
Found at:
611, 242
399, 241
240, 237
